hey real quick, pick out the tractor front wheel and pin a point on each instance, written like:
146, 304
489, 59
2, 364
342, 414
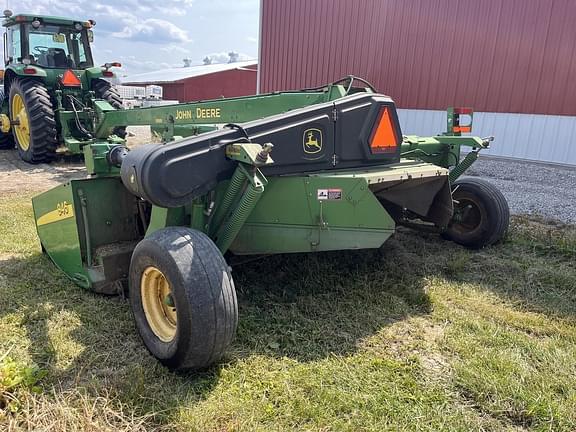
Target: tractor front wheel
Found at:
481, 214
34, 124
183, 298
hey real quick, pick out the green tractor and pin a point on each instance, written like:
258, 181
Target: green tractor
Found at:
49, 78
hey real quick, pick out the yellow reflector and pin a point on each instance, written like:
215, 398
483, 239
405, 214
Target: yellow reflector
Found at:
383, 138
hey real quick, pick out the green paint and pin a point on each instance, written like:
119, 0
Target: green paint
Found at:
198, 214
113, 230
164, 217
442, 150
95, 159
196, 117
60, 239
290, 218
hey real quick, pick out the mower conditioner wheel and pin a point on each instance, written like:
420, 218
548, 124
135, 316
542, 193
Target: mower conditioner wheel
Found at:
35, 128
183, 298
481, 214
104, 90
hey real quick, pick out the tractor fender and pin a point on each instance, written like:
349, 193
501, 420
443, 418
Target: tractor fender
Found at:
95, 73
9, 75
19, 71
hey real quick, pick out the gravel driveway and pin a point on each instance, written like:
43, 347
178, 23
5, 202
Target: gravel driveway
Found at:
531, 188
18, 177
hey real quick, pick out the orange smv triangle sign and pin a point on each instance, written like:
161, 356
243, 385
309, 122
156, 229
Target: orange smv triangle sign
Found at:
384, 138
69, 79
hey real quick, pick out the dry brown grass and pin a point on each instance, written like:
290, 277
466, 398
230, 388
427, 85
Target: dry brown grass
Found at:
77, 411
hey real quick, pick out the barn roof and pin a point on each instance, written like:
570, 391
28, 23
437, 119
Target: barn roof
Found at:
181, 73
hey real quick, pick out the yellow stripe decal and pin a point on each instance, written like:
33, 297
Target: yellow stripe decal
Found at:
63, 211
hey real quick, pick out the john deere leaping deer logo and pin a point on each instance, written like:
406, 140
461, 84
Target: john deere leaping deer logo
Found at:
312, 141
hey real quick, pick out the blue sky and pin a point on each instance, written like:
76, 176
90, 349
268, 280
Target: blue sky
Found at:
147, 35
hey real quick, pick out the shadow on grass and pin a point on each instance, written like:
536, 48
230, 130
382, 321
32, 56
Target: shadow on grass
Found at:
534, 268
310, 306
305, 307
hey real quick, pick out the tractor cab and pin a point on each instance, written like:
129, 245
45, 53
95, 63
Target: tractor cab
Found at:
47, 42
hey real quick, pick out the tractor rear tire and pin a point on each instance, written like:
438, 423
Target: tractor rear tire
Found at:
104, 90
6, 139
36, 137
481, 214
183, 298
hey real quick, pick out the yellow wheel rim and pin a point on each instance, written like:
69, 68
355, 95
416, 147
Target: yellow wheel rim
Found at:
158, 304
20, 116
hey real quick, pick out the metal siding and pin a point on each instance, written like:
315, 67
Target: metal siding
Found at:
495, 55
535, 137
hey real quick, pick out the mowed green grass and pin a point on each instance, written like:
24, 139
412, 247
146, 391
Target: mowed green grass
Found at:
422, 335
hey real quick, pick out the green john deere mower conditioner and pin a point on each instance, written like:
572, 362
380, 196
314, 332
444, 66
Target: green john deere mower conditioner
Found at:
308, 171
300, 171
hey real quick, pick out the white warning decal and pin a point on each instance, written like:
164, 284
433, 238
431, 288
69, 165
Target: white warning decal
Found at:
329, 194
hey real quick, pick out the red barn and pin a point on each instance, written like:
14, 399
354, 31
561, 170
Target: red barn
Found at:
187, 84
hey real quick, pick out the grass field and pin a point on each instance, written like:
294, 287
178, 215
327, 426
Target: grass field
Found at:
423, 335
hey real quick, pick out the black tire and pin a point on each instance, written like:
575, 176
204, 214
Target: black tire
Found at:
202, 293
6, 140
104, 90
41, 120
481, 214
